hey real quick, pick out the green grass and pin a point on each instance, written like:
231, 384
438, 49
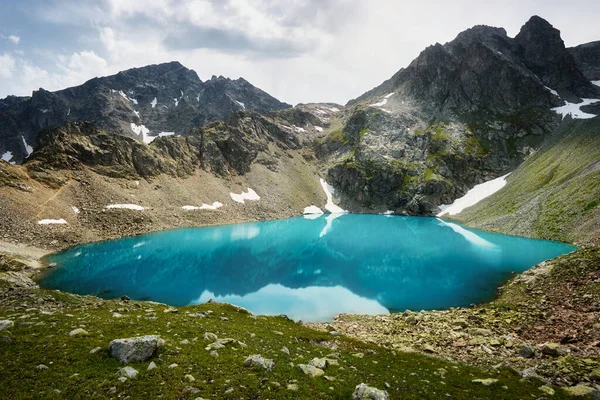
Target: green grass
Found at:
39, 338
553, 195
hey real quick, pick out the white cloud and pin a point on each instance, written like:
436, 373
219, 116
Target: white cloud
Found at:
7, 65
14, 39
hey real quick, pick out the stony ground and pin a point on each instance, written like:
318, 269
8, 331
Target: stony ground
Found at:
55, 345
544, 323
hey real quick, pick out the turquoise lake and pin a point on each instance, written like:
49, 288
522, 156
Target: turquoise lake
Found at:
307, 268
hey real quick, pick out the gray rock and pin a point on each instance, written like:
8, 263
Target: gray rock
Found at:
257, 361
5, 324
41, 367
128, 372
320, 363
553, 349
151, 366
365, 392
526, 350
210, 336
78, 332
310, 370
583, 391
135, 349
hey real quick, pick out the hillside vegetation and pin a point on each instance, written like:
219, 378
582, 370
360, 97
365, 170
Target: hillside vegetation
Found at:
554, 194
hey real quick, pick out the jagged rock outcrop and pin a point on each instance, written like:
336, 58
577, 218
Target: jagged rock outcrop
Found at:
140, 103
223, 148
587, 57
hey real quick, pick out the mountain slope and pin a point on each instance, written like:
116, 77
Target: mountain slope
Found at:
459, 114
555, 194
140, 103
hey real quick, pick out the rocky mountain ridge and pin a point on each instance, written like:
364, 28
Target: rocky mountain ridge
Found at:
142, 103
461, 113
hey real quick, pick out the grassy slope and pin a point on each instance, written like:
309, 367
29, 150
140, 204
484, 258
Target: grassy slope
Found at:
553, 195
43, 338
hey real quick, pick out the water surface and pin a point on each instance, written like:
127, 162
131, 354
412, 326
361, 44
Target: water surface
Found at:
309, 269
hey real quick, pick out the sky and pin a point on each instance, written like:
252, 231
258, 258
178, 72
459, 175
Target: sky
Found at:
297, 50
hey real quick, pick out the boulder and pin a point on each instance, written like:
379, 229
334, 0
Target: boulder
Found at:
257, 361
135, 349
78, 332
366, 392
310, 370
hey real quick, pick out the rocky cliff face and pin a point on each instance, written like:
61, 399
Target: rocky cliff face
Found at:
460, 113
587, 57
140, 103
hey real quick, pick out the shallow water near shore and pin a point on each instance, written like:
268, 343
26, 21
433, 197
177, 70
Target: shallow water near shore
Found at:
308, 268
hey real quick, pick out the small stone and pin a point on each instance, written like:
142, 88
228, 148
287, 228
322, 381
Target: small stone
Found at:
210, 336
122, 379
285, 350
189, 378
595, 375
256, 360
547, 389
5, 324
366, 392
214, 353
41, 367
553, 349
95, 350
125, 298
358, 355
293, 387
224, 319
485, 382
310, 370
428, 348
460, 323
320, 363
529, 374
151, 366
174, 365
526, 350
128, 372
78, 332
184, 342
117, 315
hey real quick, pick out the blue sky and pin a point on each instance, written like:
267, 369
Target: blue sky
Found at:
297, 50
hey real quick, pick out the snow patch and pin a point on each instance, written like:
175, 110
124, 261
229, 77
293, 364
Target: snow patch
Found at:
597, 83
318, 128
312, 210
574, 109
75, 210
474, 196
330, 206
7, 156
154, 102
334, 109
554, 92
145, 132
241, 104
176, 102
52, 222
249, 195
123, 95
126, 206
204, 206
68, 112
137, 113
28, 148
298, 129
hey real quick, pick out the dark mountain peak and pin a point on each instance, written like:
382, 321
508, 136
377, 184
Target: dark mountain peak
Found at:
543, 51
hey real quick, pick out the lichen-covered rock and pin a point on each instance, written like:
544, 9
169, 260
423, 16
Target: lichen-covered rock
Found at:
486, 381
553, 349
310, 370
257, 361
366, 392
583, 391
78, 332
135, 349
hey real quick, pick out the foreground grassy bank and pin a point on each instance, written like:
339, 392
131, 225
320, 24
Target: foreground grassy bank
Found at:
43, 358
